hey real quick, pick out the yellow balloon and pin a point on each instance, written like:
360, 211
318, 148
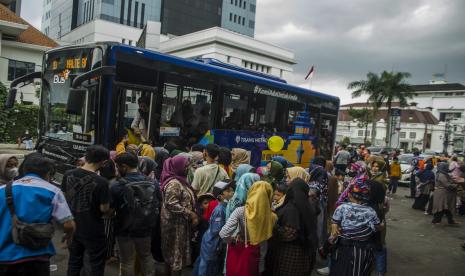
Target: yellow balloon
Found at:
275, 143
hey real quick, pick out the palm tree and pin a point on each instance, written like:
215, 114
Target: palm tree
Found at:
373, 87
395, 88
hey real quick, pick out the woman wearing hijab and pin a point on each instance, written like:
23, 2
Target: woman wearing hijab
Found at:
296, 172
286, 164
353, 225
240, 195
178, 215
225, 159
160, 157
247, 231
241, 170
8, 168
358, 172
425, 180
239, 156
445, 195
293, 246
273, 174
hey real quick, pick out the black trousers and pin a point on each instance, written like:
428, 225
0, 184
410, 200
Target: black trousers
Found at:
438, 216
393, 183
30, 268
95, 250
413, 186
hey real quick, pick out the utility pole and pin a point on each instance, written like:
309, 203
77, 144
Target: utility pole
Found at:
446, 137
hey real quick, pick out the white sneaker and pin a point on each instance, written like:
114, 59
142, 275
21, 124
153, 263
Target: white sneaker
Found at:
323, 271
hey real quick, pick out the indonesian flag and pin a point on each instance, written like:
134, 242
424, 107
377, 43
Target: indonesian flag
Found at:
310, 73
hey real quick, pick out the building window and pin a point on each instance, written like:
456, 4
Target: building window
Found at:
244, 5
413, 135
403, 134
142, 15
252, 7
230, 16
448, 93
444, 116
235, 2
459, 93
243, 21
251, 24
136, 12
239, 19
130, 42
240, 3
123, 41
232, 2
129, 13
235, 18
18, 68
121, 15
360, 133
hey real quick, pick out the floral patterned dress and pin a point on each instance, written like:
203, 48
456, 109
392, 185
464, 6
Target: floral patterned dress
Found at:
176, 228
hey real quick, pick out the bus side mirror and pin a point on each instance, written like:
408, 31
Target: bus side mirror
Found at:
10, 101
76, 101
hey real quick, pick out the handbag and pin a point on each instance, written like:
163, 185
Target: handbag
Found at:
30, 235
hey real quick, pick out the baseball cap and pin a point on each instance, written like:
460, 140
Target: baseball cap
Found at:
220, 186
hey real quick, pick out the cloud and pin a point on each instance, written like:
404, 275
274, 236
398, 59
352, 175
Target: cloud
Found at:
347, 39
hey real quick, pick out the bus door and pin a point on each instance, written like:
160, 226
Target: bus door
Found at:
136, 111
327, 126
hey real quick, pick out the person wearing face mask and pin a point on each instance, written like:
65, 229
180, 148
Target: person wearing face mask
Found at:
139, 124
273, 173
35, 200
212, 251
88, 196
8, 168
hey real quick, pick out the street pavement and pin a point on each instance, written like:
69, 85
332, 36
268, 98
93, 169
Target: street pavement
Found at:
415, 246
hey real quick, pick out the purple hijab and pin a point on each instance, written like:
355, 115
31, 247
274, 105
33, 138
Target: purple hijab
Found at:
174, 168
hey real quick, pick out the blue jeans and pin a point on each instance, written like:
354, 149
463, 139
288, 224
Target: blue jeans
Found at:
381, 260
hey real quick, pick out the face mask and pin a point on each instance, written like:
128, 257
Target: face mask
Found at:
265, 172
11, 173
352, 174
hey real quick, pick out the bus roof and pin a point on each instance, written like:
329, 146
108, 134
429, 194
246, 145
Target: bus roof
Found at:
212, 67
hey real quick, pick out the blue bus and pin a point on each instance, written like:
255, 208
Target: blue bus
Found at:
93, 93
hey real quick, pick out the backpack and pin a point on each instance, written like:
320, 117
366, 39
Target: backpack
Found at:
142, 205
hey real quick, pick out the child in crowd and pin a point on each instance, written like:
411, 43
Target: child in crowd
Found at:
278, 197
212, 251
340, 175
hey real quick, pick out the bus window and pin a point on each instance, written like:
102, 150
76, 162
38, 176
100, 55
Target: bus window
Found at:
234, 112
263, 113
136, 109
185, 113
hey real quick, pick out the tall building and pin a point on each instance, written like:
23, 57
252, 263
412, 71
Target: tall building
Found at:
12, 5
177, 17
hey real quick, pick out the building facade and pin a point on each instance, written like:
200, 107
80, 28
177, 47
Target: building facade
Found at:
418, 128
21, 48
177, 17
12, 5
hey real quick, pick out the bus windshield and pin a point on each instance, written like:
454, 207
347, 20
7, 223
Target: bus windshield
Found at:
61, 67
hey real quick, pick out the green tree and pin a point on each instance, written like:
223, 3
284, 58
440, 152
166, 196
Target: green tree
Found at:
395, 89
373, 87
14, 121
363, 117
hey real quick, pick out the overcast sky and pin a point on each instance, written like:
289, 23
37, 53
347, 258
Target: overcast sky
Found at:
346, 39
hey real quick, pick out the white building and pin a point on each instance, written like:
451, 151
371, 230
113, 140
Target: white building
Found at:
447, 100
419, 128
21, 51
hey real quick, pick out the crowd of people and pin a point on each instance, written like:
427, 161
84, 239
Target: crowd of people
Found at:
210, 209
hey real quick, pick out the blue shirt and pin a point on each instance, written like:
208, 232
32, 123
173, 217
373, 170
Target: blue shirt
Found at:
211, 238
35, 201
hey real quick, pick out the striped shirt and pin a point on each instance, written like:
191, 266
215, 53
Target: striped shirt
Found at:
358, 222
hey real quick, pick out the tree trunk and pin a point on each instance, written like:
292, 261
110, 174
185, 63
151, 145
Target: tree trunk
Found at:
373, 127
388, 124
